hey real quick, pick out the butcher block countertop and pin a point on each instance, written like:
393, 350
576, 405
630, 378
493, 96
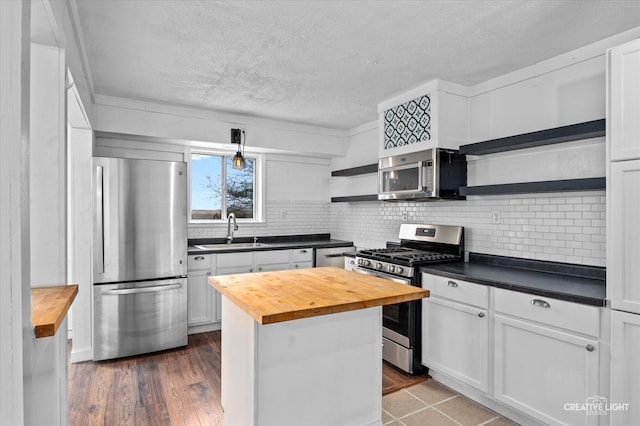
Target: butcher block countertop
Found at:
271, 297
49, 306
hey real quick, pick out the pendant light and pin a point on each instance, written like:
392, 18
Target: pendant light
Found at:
238, 159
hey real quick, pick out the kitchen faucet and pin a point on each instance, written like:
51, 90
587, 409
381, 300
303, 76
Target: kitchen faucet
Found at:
229, 230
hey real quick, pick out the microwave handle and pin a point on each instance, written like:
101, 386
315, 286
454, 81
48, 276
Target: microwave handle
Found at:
422, 171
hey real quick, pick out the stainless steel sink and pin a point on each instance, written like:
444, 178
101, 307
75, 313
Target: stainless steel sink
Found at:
232, 246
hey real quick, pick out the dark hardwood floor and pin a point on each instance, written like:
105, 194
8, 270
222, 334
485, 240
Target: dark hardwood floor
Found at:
394, 379
174, 387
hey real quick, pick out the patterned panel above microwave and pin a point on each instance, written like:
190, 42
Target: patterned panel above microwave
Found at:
408, 123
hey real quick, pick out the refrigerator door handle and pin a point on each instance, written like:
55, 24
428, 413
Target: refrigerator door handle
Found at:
155, 288
99, 243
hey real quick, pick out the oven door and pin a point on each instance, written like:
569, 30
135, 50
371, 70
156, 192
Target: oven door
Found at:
396, 317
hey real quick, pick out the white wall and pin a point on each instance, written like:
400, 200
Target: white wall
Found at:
361, 149
117, 115
48, 167
573, 93
80, 146
296, 194
15, 288
48, 385
564, 227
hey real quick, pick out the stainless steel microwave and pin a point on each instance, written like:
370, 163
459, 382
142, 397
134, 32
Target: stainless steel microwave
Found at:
425, 175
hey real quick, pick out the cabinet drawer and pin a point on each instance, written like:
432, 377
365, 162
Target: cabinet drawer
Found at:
457, 290
302, 255
199, 262
557, 313
302, 265
235, 259
271, 256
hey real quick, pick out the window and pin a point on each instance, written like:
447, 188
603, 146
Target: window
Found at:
218, 189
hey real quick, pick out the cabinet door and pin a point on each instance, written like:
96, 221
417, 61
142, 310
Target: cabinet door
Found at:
455, 339
624, 231
624, 101
625, 369
200, 298
539, 370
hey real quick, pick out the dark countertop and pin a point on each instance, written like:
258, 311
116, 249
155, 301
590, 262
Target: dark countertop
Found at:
271, 243
573, 283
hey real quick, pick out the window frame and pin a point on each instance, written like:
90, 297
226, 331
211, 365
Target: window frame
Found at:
258, 187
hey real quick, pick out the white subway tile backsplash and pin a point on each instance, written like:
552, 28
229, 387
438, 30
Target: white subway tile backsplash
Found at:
299, 217
562, 227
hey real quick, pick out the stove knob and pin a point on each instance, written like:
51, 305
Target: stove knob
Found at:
378, 265
367, 263
391, 268
399, 269
359, 261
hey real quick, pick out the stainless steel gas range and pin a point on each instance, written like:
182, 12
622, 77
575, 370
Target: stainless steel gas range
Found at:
419, 245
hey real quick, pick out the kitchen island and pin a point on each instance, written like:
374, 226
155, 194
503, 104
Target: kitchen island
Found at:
304, 346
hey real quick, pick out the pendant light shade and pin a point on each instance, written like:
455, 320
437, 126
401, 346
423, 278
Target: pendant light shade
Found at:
238, 159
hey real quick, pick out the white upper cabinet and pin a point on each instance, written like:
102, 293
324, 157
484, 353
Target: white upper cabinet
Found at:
434, 115
623, 125
623, 252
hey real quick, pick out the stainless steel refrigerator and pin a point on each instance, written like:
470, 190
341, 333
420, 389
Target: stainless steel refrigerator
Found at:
139, 256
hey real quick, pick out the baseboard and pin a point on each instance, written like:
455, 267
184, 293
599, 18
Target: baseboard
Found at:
81, 355
203, 328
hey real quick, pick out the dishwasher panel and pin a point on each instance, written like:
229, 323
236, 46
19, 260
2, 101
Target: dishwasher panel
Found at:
333, 256
139, 317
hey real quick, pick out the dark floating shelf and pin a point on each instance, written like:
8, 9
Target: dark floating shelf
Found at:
354, 171
355, 198
587, 184
572, 132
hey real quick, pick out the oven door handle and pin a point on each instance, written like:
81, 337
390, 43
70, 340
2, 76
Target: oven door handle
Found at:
382, 275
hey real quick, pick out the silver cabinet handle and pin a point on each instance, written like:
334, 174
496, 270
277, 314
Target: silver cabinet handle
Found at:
250, 269
540, 303
208, 272
590, 348
481, 314
295, 266
452, 284
303, 251
198, 258
260, 268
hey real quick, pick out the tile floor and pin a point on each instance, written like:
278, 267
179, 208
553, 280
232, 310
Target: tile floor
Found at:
433, 404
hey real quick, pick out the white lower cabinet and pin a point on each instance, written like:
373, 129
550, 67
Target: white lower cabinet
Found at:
301, 258
203, 301
455, 327
535, 357
543, 366
456, 341
204, 311
625, 369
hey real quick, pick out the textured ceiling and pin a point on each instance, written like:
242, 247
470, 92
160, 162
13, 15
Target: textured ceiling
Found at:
325, 63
